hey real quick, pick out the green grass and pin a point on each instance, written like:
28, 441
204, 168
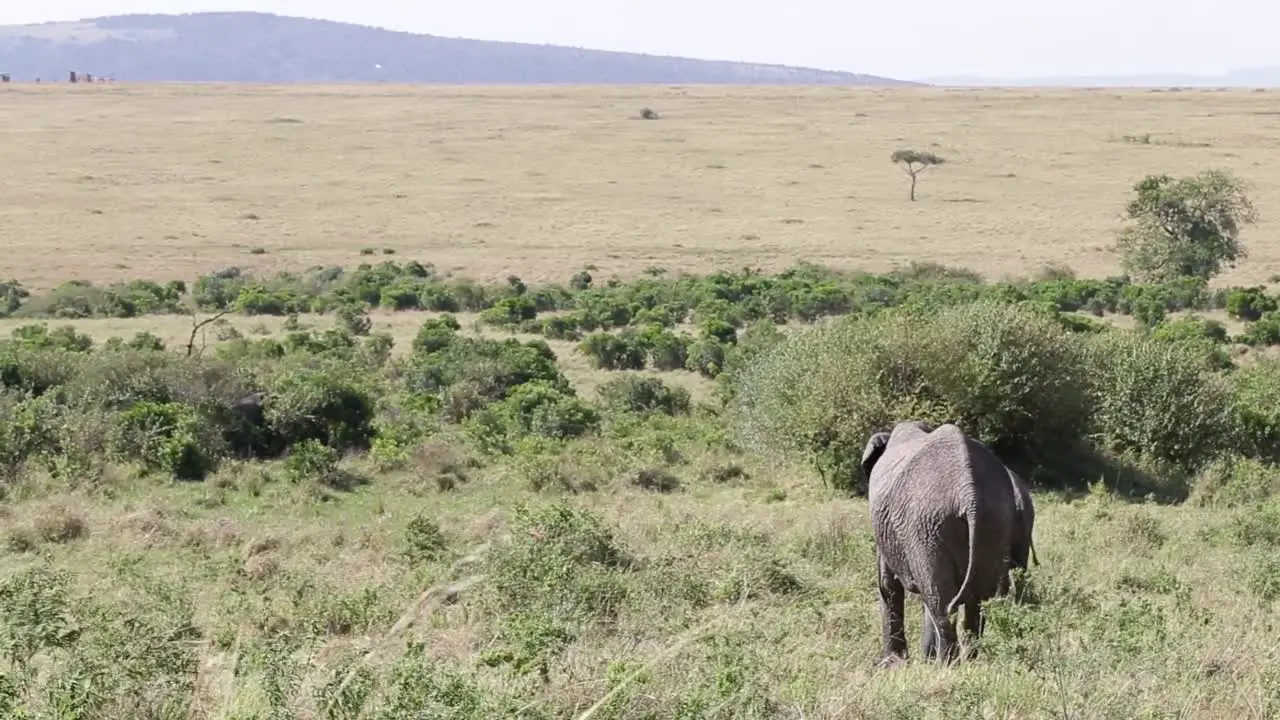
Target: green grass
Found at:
537, 549
767, 582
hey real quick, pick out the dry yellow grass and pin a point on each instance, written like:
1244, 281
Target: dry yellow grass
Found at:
117, 182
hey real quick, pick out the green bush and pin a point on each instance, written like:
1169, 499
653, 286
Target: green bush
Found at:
36, 370
1255, 391
1209, 336
1249, 303
1190, 329
510, 311
12, 296
754, 341
1264, 332
162, 436
643, 396
64, 337
29, 430
610, 351
535, 408
706, 357
1158, 400
142, 341
435, 334
1009, 376
312, 461
563, 327
1235, 481
320, 400
469, 373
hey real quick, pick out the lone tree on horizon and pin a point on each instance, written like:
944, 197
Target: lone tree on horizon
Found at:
914, 162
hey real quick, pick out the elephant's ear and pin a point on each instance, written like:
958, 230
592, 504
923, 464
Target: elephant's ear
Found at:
873, 451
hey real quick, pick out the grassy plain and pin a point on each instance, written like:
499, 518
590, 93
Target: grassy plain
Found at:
746, 594
120, 182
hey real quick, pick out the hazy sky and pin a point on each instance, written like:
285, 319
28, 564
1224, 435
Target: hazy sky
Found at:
906, 39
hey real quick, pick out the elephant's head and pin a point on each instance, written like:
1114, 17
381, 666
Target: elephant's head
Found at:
901, 431
872, 452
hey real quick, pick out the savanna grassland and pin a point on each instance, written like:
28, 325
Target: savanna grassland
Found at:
123, 182
537, 439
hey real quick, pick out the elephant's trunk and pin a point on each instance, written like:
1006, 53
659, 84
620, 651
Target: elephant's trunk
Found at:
971, 515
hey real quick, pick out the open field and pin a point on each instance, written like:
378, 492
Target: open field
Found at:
120, 182
648, 500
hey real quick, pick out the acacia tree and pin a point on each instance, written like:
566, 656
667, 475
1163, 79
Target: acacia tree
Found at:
1185, 227
914, 162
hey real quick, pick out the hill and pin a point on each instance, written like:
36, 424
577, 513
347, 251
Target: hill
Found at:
1244, 77
260, 47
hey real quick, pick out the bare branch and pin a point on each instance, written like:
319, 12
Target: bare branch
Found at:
195, 328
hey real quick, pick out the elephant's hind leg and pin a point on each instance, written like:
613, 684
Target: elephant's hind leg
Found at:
894, 628
974, 624
938, 636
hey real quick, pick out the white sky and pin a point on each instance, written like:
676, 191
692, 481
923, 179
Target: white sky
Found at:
905, 39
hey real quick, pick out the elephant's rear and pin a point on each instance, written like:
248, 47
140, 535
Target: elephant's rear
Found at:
963, 508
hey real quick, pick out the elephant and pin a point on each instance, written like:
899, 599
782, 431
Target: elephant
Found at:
247, 429
949, 520
1023, 546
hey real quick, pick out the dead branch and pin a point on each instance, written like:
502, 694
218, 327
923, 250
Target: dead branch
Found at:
195, 328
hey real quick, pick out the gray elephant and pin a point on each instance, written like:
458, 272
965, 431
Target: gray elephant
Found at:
1023, 545
949, 521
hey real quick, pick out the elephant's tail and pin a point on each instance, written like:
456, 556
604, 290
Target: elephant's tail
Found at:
971, 515
1032, 544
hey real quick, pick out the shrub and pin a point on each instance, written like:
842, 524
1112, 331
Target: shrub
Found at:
644, 396
353, 320
29, 429
1264, 332
423, 540
1007, 375
535, 408
164, 437
1192, 328
35, 370
1208, 336
143, 341
401, 294
12, 296
559, 559
609, 351
322, 401
468, 373
435, 334
1158, 400
665, 350
1255, 391
563, 327
1234, 481
597, 310
64, 337
510, 311
754, 341
312, 460
1249, 303
705, 357
715, 329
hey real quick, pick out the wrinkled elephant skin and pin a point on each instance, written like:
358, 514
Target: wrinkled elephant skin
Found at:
949, 519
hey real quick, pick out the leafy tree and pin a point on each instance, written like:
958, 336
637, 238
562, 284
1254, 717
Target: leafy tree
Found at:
915, 162
1185, 227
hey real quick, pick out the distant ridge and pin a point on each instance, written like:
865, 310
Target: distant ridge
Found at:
261, 47
1265, 77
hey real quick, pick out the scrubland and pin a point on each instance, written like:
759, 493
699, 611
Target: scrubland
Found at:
542, 471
